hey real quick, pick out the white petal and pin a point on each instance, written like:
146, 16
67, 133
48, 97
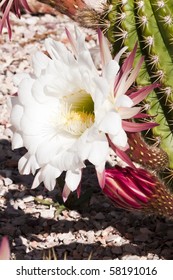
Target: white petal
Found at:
110, 70
38, 91
37, 180
67, 160
28, 164
111, 123
102, 90
49, 175
19, 77
104, 49
86, 61
39, 62
24, 92
98, 152
16, 114
124, 101
17, 141
73, 179
48, 149
128, 113
90, 145
120, 139
58, 51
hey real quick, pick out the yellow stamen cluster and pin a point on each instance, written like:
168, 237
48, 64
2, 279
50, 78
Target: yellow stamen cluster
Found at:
77, 122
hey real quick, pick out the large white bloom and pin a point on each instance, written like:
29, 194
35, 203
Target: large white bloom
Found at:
66, 112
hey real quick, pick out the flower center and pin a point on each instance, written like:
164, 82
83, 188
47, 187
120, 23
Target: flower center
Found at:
80, 101
77, 122
76, 113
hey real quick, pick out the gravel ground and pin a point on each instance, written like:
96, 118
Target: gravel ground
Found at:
37, 223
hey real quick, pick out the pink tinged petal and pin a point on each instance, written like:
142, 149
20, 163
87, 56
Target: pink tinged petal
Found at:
119, 85
13, 6
73, 179
104, 49
128, 63
137, 127
141, 94
119, 54
5, 17
26, 6
122, 155
78, 191
123, 82
128, 113
4, 249
133, 74
65, 193
111, 123
101, 178
72, 41
2, 2
141, 116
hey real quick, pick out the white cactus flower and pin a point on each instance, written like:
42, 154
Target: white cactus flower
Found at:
66, 112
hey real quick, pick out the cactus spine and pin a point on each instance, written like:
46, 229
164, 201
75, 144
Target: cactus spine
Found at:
150, 22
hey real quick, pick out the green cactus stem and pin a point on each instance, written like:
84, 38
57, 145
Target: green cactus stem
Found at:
150, 23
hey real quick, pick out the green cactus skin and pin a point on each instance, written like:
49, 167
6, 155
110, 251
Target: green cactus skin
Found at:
150, 23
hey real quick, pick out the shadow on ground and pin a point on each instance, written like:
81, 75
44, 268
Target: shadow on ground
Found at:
145, 235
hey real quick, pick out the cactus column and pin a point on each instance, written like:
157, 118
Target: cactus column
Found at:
150, 22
